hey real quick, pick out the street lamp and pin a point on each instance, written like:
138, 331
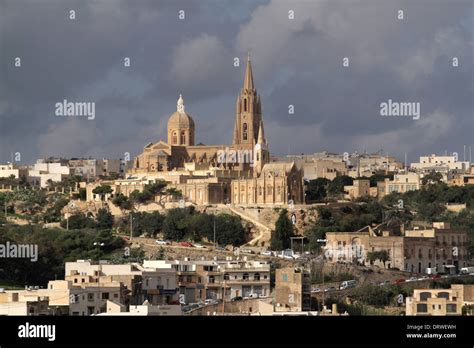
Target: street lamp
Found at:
99, 245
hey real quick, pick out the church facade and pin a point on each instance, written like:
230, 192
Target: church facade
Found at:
237, 173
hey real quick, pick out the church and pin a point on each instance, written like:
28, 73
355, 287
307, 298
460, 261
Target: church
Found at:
238, 173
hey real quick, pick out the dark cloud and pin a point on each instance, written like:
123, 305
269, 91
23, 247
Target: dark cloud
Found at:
295, 62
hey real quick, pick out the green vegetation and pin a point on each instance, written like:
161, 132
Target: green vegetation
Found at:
343, 218
55, 247
283, 232
381, 255
180, 224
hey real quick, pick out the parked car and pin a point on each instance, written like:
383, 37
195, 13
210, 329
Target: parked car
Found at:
330, 289
436, 276
267, 253
424, 277
412, 279
347, 284
199, 246
236, 298
246, 251
186, 244
399, 281
315, 291
211, 301
162, 242
126, 238
253, 295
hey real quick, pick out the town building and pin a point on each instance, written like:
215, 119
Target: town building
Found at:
292, 290
359, 188
401, 183
8, 170
44, 171
440, 302
415, 250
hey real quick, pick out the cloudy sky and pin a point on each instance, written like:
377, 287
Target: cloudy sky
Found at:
296, 62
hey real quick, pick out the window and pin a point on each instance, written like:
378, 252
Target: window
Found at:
183, 137
256, 276
245, 276
425, 295
105, 295
245, 131
422, 308
451, 308
226, 276
175, 138
285, 277
245, 104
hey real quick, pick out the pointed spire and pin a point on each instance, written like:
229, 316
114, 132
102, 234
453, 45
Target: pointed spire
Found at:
236, 134
248, 81
261, 134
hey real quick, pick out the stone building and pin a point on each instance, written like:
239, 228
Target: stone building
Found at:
292, 290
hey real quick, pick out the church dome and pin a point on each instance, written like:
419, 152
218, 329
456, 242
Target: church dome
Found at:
180, 119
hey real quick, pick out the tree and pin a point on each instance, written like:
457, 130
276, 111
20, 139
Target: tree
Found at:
104, 219
283, 232
381, 255
336, 187
432, 178
174, 224
316, 189
102, 190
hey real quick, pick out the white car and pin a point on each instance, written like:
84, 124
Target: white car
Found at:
199, 246
267, 253
412, 279
162, 242
210, 301
315, 291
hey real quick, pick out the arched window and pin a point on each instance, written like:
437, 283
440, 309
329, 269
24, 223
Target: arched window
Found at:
175, 138
245, 104
245, 276
245, 131
256, 276
183, 138
226, 276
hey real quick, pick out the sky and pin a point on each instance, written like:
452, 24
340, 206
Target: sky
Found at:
296, 61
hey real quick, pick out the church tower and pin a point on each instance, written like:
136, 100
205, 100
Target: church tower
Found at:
248, 112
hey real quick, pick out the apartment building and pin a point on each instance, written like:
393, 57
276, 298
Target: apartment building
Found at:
11, 304
158, 286
440, 302
199, 280
292, 290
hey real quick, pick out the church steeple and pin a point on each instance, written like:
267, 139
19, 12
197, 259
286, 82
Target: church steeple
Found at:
248, 111
261, 134
248, 81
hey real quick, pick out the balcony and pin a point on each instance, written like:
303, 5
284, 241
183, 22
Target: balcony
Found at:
248, 281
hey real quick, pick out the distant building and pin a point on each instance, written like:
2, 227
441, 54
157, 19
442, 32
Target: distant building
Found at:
7, 170
359, 188
45, 170
292, 290
440, 302
435, 163
401, 183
